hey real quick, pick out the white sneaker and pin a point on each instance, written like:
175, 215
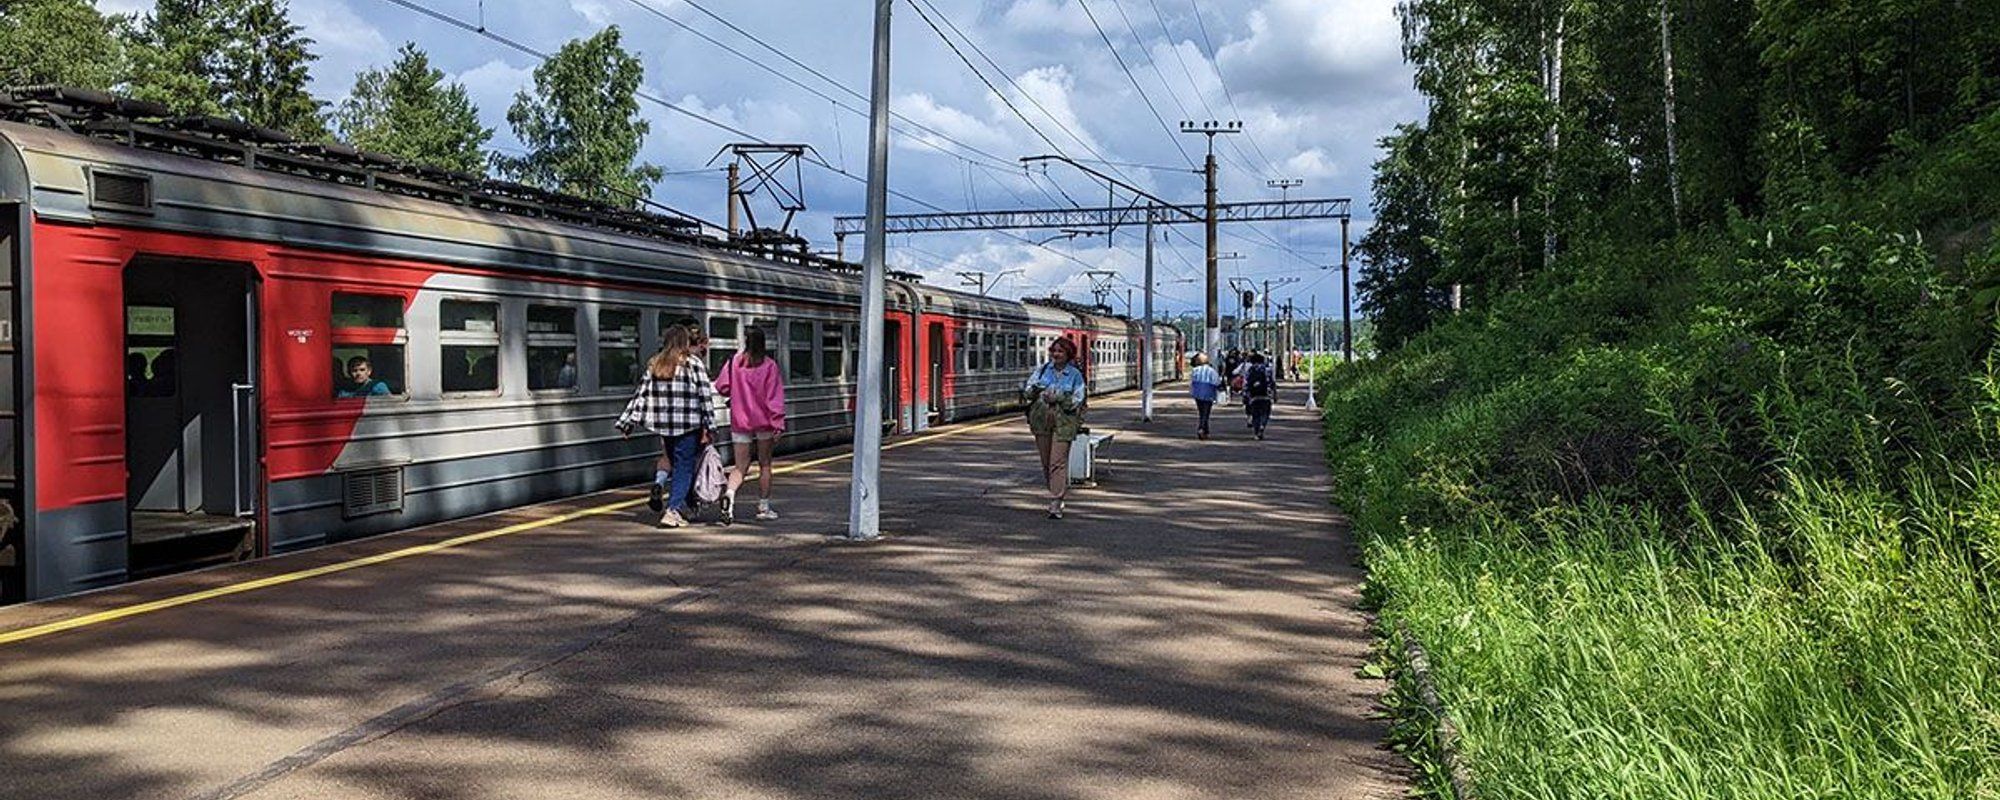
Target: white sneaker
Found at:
764, 511
672, 519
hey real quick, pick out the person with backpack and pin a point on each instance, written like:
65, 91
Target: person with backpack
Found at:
756, 391
676, 401
1204, 384
1259, 388
1055, 394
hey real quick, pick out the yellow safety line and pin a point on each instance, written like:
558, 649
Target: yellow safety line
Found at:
163, 604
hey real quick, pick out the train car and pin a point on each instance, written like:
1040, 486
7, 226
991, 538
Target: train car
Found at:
221, 345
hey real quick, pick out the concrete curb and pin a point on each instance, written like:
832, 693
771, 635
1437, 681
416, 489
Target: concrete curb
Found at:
1456, 770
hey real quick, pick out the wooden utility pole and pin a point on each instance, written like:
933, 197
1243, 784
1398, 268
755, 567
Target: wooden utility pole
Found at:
734, 188
1210, 129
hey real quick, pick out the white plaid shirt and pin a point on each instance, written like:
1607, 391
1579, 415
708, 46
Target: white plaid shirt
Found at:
672, 406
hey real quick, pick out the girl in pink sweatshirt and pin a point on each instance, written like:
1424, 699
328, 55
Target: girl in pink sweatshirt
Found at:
756, 392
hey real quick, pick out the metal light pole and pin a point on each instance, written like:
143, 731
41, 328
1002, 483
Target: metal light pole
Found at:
864, 519
1312, 361
1146, 333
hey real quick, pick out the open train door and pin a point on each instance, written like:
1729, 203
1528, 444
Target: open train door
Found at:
892, 374
13, 506
191, 421
934, 355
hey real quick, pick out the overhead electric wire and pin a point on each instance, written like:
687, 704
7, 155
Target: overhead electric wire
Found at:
982, 77
1148, 53
1239, 160
940, 16
1029, 96
815, 160
481, 30
1198, 93
1006, 168
1215, 58
821, 163
1168, 129
640, 4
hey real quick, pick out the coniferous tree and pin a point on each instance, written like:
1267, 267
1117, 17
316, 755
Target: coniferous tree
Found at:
409, 110
266, 70
59, 41
176, 54
243, 58
582, 126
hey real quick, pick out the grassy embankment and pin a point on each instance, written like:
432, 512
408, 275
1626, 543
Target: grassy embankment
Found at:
1716, 518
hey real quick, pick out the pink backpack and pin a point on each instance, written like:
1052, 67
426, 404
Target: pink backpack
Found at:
710, 481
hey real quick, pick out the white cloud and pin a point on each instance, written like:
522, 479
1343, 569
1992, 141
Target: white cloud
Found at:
595, 12
125, 6
1048, 16
1314, 49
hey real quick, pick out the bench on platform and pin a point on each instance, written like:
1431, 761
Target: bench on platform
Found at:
1083, 456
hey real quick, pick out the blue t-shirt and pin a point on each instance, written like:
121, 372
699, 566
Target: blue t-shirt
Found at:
356, 390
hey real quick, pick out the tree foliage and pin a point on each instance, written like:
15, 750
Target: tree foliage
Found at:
409, 110
581, 124
243, 58
59, 41
1548, 118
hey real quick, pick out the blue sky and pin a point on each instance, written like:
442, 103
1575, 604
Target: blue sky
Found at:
1315, 82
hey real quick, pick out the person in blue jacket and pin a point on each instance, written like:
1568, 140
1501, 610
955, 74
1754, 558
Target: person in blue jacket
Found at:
1055, 394
1205, 385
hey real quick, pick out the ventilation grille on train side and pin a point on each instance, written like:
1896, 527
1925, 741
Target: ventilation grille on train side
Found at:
120, 191
371, 491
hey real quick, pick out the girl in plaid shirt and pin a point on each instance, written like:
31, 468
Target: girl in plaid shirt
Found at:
675, 400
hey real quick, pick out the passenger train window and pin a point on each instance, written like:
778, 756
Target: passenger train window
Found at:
724, 340
854, 352
617, 348
799, 351
367, 311
832, 352
552, 348
469, 339
368, 340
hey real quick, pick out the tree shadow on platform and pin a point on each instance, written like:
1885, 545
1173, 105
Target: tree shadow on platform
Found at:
1182, 633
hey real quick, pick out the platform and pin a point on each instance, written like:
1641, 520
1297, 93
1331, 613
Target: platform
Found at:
1189, 630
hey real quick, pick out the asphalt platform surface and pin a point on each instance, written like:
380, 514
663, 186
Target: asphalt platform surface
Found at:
1189, 631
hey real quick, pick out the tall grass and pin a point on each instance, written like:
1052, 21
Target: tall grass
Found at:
1589, 656
1715, 518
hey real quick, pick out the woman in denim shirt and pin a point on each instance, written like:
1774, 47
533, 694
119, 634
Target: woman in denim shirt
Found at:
1055, 394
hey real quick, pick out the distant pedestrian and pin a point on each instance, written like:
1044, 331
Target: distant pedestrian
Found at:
676, 401
1055, 395
756, 391
1232, 363
1259, 388
1204, 385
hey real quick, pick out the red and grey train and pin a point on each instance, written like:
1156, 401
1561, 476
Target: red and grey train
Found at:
184, 301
